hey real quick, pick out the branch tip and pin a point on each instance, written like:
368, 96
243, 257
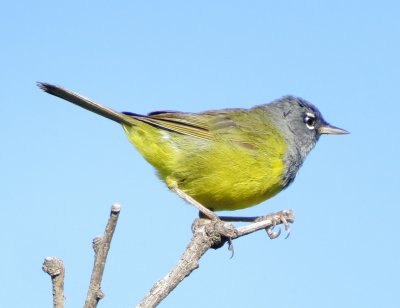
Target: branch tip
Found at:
53, 266
101, 246
116, 208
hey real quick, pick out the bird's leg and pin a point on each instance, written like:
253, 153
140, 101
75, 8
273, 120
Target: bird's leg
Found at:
239, 218
270, 231
280, 217
205, 211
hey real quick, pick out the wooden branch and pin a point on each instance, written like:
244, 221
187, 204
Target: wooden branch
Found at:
55, 268
101, 245
208, 234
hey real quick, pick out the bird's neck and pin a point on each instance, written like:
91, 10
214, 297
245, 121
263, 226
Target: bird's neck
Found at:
296, 154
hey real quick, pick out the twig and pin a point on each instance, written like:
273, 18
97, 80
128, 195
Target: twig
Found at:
207, 234
55, 268
101, 245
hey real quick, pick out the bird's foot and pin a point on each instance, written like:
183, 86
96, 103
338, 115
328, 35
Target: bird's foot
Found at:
277, 218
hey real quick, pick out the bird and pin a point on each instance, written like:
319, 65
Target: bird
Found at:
221, 160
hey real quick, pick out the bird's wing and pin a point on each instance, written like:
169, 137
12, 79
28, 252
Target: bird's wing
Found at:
206, 125
188, 124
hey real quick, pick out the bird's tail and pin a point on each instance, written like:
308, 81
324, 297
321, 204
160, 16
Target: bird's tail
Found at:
87, 103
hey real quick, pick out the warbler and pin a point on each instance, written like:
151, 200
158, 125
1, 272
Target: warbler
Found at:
226, 159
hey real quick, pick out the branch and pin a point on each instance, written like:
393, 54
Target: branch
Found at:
101, 245
208, 234
55, 268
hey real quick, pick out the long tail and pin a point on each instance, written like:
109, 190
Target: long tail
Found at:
86, 103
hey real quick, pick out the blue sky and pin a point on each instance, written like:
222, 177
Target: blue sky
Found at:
62, 167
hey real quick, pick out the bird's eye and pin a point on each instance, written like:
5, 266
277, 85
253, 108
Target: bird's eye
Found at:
310, 121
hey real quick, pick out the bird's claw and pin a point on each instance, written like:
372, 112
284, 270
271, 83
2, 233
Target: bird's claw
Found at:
287, 226
272, 234
230, 247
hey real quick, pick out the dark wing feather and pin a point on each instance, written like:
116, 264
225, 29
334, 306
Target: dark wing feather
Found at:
189, 124
205, 125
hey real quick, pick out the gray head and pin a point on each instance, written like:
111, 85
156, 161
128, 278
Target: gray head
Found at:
301, 124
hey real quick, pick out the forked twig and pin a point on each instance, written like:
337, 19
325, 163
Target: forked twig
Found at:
101, 245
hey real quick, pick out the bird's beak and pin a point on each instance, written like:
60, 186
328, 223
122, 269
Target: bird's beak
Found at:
333, 130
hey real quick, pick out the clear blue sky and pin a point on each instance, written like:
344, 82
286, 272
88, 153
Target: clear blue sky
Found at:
62, 167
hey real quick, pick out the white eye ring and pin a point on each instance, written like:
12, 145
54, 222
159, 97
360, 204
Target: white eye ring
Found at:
309, 120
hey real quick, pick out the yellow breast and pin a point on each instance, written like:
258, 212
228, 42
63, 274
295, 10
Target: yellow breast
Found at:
220, 174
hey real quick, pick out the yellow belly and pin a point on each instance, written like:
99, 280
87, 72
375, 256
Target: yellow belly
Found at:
220, 175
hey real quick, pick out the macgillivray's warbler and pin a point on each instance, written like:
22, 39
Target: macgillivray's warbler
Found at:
224, 159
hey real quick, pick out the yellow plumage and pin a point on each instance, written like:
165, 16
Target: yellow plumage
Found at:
215, 157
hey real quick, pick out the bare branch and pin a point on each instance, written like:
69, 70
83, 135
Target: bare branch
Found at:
55, 268
101, 245
208, 234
